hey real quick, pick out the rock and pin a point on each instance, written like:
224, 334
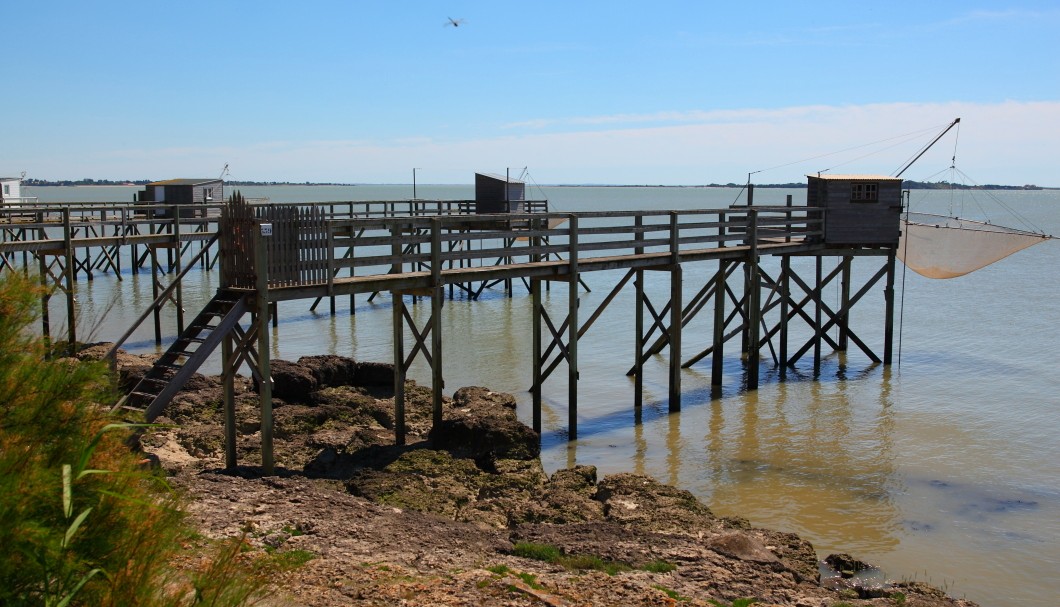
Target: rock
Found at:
641, 501
739, 545
483, 425
375, 374
846, 565
291, 381
331, 370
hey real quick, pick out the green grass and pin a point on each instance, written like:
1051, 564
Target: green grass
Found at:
673, 594
746, 602
287, 560
538, 552
530, 580
81, 523
583, 562
498, 569
658, 567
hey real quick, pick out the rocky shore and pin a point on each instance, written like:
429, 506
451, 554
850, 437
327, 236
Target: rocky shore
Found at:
464, 514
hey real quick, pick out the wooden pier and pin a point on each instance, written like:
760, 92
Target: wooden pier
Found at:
413, 249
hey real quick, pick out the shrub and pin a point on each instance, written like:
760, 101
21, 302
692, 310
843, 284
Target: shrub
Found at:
80, 521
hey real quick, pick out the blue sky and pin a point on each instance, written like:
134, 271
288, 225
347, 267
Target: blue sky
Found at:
578, 92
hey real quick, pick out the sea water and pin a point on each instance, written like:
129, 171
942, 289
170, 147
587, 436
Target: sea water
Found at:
943, 467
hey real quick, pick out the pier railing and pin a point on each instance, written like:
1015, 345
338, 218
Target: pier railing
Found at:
304, 246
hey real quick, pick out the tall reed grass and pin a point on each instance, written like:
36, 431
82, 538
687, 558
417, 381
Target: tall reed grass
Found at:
81, 521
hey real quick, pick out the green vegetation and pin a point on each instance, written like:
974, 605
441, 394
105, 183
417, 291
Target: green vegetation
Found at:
538, 552
582, 562
530, 580
659, 567
81, 522
498, 569
746, 602
673, 594
284, 561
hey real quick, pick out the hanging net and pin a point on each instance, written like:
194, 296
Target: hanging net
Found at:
936, 246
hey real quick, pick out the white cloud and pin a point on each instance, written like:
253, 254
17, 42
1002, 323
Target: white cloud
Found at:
1011, 143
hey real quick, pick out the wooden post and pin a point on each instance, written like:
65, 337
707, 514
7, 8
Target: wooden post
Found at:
261, 263
399, 341
785, 295
69, 277
676, 283
535, 304
437, 299
179, 292
844, 319
888, 293
535, 316
229, 401
157, 309
754, 308
717, 360
817, 295
45, 299
572, 333
638, 363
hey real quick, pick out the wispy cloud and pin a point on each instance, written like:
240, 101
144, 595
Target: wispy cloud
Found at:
1010, 142
1012, 14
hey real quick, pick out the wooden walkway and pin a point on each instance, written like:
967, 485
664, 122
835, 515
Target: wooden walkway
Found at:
298, 252
268, 253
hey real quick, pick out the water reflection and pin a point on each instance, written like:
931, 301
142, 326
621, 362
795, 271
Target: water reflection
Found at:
817, 457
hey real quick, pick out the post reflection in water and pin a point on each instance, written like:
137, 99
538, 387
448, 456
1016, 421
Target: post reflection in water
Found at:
812, 457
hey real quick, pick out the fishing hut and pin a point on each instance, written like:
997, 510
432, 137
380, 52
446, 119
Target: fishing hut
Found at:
498, 194
184, 193
861, 209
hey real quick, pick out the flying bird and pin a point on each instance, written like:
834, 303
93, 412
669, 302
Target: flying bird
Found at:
453, 22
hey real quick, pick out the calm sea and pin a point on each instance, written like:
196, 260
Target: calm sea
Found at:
944, 468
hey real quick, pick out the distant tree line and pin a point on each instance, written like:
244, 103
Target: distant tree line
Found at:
86, 181
116, 182
912, 185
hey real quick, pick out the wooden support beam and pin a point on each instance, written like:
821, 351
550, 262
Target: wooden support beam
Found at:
437, 299
261, 263
754, 308
572, 333
676, 309
229, 401
888, 293
844, 319
718, 358
785, 298
818, 305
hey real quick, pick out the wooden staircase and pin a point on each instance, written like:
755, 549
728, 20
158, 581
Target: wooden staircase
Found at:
202, 336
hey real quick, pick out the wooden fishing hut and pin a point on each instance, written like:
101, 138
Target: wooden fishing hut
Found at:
498, 194
182, 192
860, 209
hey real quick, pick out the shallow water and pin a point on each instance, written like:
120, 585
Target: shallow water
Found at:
945, 468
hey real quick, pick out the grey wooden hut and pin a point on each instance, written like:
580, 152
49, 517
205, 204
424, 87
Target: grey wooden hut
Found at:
183, 192
860, 209
498, 194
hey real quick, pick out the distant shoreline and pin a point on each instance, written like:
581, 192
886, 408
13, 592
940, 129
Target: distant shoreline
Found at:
912, 185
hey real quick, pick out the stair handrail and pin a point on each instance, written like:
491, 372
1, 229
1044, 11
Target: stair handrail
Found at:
112, 354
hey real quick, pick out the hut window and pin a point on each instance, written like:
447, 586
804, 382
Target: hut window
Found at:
864, 192
7, 190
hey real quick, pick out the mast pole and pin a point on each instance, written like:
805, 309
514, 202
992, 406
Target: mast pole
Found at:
928, 146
